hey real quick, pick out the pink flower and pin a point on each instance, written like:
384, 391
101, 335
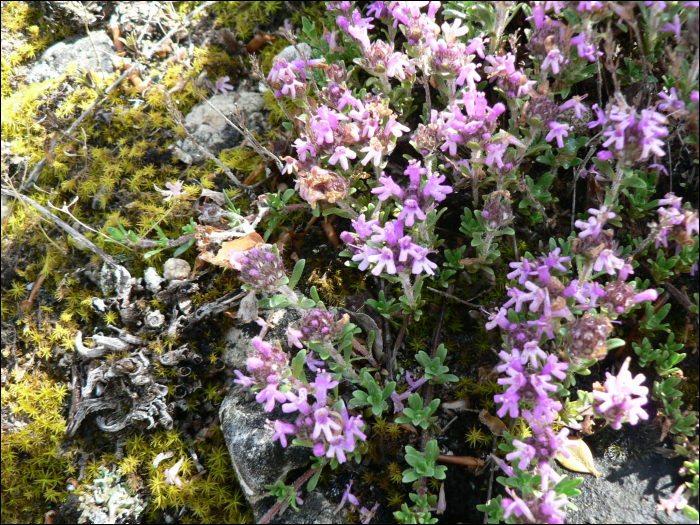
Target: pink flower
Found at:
269, 395
608, 260
281, 431
410, 211
174, 190
374, 152
622, 398
342, 154
574, 102
421, 263
223, 85
324, 424
383, 259
553, 60
559, 131
297, 402
293, 336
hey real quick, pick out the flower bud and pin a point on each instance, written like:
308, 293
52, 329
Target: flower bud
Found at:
588, 337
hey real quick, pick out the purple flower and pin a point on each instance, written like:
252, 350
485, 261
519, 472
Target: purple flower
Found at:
609, 260
516, 506
476, 45
622, 398
323, 383
601, 120
223, 85
523, 270
595, 224
363, 256
303, 147
367, 515
313, 363
499, 318
421, 263
559, 131
336, 449
671, 101
410, 211
342, 154
347, 496
494, 152
269, 395
395, 66
553, 59
293, 336
243, 380
174, 190
531, 352
324, 424
281, 431
383, 259
363, 227
387, 188
374, 152
574, 102
524, 451
585, 48
674, 27
348, 99
297, 402
435, 190
352, 426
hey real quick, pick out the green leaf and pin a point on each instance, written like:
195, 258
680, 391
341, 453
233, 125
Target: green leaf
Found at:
307, 303
311, 485
605, 167
296, 274
615, 343
298, 364
634, 182
337, 211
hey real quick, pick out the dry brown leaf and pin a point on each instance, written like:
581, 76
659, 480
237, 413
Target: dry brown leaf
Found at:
243, 244
209, 237
581, 459
496, 426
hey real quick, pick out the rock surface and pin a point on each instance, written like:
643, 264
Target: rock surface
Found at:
176, 269
628, 492
211, 130
290, 53
55, 60
257, 460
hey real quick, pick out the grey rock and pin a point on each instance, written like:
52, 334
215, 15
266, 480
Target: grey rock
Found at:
54, 62
316, 509
257, 460
152, 279
628, 492
211, 131
176, 269
290, 53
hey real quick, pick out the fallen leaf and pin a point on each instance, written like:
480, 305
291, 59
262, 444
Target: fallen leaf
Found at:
581, 459
210, 237
243, 244
496, 426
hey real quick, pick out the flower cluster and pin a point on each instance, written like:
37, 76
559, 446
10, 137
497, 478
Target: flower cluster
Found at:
622, 397
387, 248
322, 326
261, 268
630, 136
326, 427
680, 223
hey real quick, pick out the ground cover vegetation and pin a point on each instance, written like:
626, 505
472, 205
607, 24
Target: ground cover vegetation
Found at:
508, 194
